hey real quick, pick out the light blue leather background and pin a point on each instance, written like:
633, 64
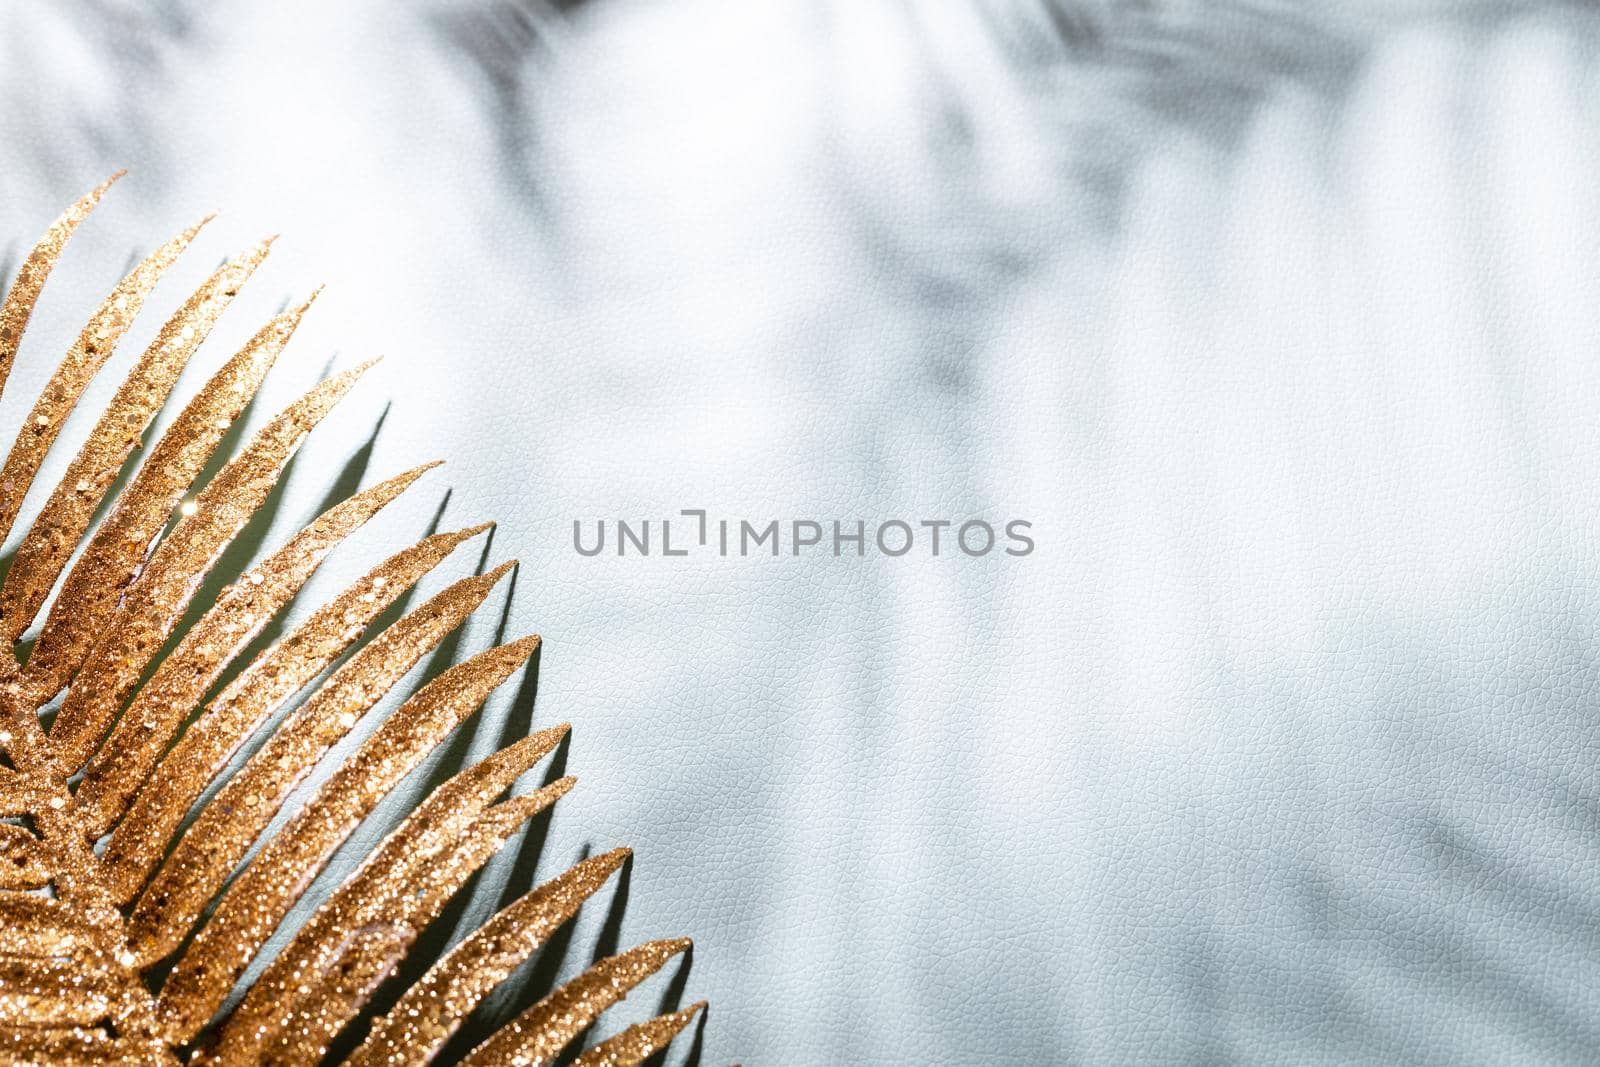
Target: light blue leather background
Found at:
1278, 323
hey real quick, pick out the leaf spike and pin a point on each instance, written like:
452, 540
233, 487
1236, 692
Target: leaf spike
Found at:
257, 900
140, 841
155, 603
18, 306
226, 827
433, 1009
81, 363
181, 818
539, 1034
641, 1041
66, 515
151, 721
358, 937
118, 550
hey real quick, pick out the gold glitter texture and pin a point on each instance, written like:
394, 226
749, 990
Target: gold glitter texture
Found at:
247, 702
258, 899
117, 551
435, 1006
639, 1042
18, 306
227, 827
157, 599
84, 360
355, 939
86, 917
536, 1036
22, 859
151, 721
66, 516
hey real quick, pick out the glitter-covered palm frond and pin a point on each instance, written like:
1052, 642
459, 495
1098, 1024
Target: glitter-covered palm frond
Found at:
106, 868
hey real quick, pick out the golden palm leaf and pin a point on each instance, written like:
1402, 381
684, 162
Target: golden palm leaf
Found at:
126, 918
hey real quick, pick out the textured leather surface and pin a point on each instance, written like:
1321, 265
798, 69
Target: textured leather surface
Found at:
1282, 331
